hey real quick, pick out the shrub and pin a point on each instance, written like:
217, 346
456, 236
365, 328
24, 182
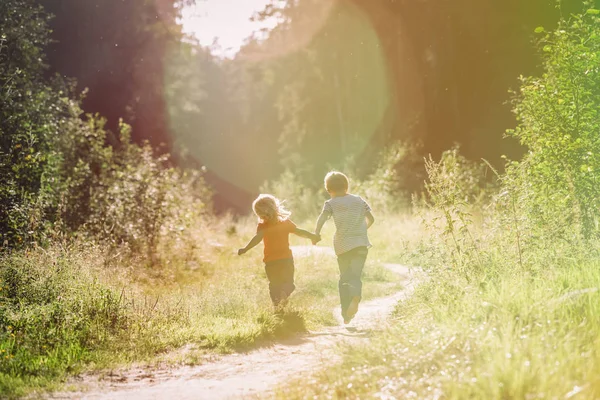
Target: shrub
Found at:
557, 180
53, 311
138, 198
387, 188
457, 187
63, 172
32, 108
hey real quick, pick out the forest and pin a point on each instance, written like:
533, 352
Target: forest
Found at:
130, 156
441, 72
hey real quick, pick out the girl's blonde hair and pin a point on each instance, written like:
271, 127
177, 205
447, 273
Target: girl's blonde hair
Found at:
269, 208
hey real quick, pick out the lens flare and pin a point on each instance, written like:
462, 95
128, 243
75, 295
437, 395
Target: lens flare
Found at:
318, 91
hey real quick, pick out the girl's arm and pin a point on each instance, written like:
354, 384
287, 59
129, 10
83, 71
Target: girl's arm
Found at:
370, 219
306, 234
253, 242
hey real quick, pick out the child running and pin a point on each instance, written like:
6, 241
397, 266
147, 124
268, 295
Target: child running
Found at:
274, 228
352, 217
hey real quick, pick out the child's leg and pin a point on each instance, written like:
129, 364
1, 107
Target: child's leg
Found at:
344, 296
281, 279
356, 266
343, 284
351, 266
272, 270
288, 277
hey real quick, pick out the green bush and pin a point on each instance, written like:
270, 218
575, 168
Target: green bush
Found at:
456, 189
387, 188
556, 183
62, 172
53, 312
32, 108
123, 194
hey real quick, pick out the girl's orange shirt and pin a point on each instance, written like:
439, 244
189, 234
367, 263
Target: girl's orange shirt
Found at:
276, 239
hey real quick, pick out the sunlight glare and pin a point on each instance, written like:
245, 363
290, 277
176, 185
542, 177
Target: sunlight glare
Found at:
228, 22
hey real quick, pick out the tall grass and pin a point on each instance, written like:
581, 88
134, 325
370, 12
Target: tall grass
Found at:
522, 336
502, 314
74, 307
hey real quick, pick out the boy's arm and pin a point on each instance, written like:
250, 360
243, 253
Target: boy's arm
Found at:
320, 222
370, 219
253, 242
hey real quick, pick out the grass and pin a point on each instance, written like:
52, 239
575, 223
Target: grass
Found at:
72, 308
503, 331
508, 333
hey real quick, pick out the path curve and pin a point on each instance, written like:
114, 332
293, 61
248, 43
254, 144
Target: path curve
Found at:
246, 374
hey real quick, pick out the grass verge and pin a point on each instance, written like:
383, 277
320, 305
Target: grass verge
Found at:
67, 309
508, 333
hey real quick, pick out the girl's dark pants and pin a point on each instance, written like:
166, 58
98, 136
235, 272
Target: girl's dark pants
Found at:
351, 265
281, 279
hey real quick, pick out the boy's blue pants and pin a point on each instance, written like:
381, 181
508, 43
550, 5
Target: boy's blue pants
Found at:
351, 265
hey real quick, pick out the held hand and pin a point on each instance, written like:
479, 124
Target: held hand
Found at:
241, 251
316, 239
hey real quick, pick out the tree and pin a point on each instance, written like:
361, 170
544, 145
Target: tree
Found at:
31, 110
120, 51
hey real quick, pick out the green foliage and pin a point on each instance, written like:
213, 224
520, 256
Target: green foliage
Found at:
52, 313
387, 188
123, 194
31, 111
332, 95
508, 339
304, 201
456, 181
509, 303
62, 172
122, 58
557, 181
457, 187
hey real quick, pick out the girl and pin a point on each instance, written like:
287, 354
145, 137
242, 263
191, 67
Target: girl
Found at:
274, 228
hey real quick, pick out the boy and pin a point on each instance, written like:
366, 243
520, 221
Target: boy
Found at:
352, 217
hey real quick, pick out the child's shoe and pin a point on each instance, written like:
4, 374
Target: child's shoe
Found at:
346, 318
352, 308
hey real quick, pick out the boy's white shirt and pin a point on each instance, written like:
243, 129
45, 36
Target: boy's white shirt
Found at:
349, 215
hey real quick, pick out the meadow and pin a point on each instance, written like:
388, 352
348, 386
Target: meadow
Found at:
509, 333
77, 307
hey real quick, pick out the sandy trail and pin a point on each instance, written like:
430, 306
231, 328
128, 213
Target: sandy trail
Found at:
246, 374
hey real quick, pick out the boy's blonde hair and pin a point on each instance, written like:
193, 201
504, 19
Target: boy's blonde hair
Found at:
336, 182
269, 208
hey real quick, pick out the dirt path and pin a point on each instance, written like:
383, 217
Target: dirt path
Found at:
241, 375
